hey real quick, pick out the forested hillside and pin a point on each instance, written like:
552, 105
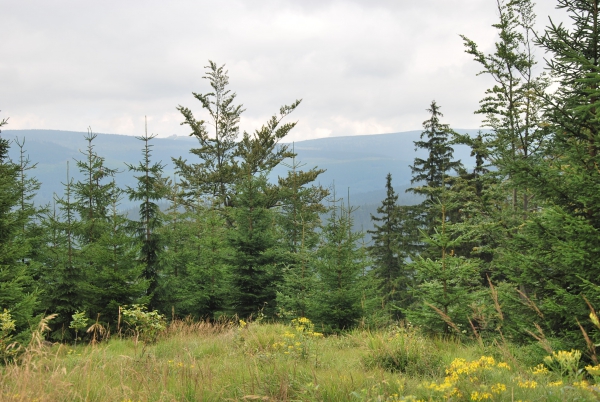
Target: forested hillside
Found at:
501, 241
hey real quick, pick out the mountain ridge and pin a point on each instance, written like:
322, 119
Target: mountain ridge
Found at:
358, 163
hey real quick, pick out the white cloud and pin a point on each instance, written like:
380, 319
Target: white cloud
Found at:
361, 66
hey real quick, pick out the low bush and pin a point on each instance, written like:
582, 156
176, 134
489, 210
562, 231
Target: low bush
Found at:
404, 350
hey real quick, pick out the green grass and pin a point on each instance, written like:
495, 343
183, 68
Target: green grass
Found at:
275, 362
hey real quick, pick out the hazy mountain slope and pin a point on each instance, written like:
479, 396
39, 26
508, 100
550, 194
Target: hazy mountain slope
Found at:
357, 162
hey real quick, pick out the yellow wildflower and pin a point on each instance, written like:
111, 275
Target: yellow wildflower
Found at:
540, 369
527, 384
583, 384
480, 396
498, 388
593, 370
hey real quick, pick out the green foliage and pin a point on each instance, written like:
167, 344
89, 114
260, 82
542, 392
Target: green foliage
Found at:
9, 349
341, 267
389, 252
146, 325
16, 290
403, 350
215, 175
150, 190
79, 323
61, 276
195, 280
448, 285
431, 173
298, 220
256, 255
119, 275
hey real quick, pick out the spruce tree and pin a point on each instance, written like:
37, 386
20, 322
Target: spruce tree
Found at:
215, 174
119, 278
194, 277
558, 246
449, 285
341, 266
93, 196
16, 291
151, 188
255, 262
431, 174
215, 177
299, 221
62, 277
387, 253
512, 107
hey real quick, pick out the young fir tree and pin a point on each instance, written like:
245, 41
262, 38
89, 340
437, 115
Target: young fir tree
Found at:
341, 265
512, 106
431, 173
93, 195
151, 188
387, 251
194, 280
256, 254
215, 178
558, 248
299, 220
93, 198
61, 276
119, 278
449, 285
215, 175
16, 292
28, 187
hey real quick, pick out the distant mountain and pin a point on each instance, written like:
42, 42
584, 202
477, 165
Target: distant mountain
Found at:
357, 163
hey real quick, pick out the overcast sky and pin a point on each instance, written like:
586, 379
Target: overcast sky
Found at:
360, 66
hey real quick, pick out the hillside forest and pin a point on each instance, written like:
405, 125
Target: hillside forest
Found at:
509, 248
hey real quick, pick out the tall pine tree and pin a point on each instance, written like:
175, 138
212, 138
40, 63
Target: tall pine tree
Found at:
387, 251
151, 188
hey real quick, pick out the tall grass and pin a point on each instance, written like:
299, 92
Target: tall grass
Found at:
202, 361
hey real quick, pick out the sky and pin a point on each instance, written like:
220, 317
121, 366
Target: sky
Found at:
359, 66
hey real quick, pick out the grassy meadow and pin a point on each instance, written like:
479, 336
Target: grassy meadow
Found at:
198, 361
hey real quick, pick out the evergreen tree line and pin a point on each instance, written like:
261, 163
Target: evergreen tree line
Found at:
509, 248
231, 243
498, 249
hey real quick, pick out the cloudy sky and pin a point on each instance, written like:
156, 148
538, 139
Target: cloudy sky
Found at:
360, 66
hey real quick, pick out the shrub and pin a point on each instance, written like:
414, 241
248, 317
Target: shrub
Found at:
403, 350
8, 348
146, 325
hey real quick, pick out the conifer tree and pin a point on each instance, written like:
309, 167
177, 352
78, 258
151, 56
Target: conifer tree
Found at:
215, 174
151, 188
448, 284
512, 107
387, 251
194, 267
62, 277
16, 293
431, 174
119, 279
341, 266
215, 177
299, 219
256, 257
558, 246
93, 194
